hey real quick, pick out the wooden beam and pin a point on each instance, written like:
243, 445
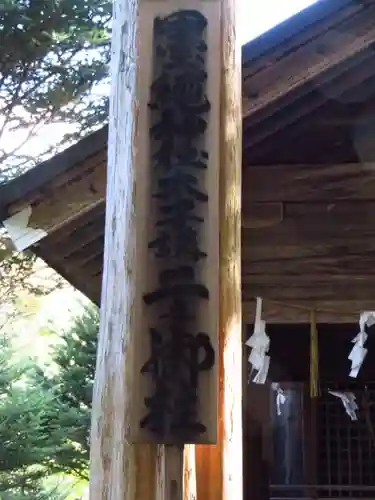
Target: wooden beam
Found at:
321, 55
262, 214
94, 267
219, 468
85, 254
310, 287
90, 287
306, 101
119, 470
320, 255
90, 234
289, 254
76, 172
319, 17
302, 183
332, 261
67, 198
338, 311
341, 223
87, 224
35, 179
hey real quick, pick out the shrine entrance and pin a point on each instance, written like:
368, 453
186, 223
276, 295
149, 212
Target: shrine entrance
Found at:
308, 207
310, 447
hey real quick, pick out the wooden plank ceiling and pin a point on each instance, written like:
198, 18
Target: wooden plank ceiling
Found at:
308, 178
309, 164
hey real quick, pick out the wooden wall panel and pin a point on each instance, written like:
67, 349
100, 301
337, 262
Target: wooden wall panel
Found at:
304, 183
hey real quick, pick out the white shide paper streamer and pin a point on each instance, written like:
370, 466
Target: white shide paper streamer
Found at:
280, 396
359, 351
349, 402
259, 343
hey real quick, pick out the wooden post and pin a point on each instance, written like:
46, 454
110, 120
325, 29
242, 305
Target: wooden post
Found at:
219, 468
118, 470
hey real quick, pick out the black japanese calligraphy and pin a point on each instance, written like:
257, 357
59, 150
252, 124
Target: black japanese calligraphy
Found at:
179, 110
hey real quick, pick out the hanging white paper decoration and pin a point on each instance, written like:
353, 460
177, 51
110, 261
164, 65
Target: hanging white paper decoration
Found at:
259, 343
358, 352
349, 402
280, 396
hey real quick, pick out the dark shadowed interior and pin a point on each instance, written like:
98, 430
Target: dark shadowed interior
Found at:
313, 449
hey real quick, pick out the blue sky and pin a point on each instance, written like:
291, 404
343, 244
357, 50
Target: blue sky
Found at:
257, 16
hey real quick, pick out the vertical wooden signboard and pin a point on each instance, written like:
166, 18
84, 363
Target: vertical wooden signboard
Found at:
177, 199
174, 123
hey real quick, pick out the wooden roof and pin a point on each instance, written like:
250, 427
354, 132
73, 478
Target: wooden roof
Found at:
308, 174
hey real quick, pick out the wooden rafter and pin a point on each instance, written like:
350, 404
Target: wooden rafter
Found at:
352, 33
67, 198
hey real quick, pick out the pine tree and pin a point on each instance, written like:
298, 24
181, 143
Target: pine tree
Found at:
44, 420
72, 386
53, 53
28, 434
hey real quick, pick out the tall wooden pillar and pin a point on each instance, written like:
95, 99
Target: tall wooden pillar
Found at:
219, 468
120, 470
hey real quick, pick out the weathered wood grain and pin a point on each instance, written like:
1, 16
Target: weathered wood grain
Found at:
71, 177
297, 251
219, 468
263, 214
85, 254
190, 473
34, 179
320, 253
70, 233
303, 183
310, 287
354, 35
296, 37
341, 223
319, 260
118, 469
170, 476
86, 236
90, 287
63, 204
308, 98
93, 267
343, 311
